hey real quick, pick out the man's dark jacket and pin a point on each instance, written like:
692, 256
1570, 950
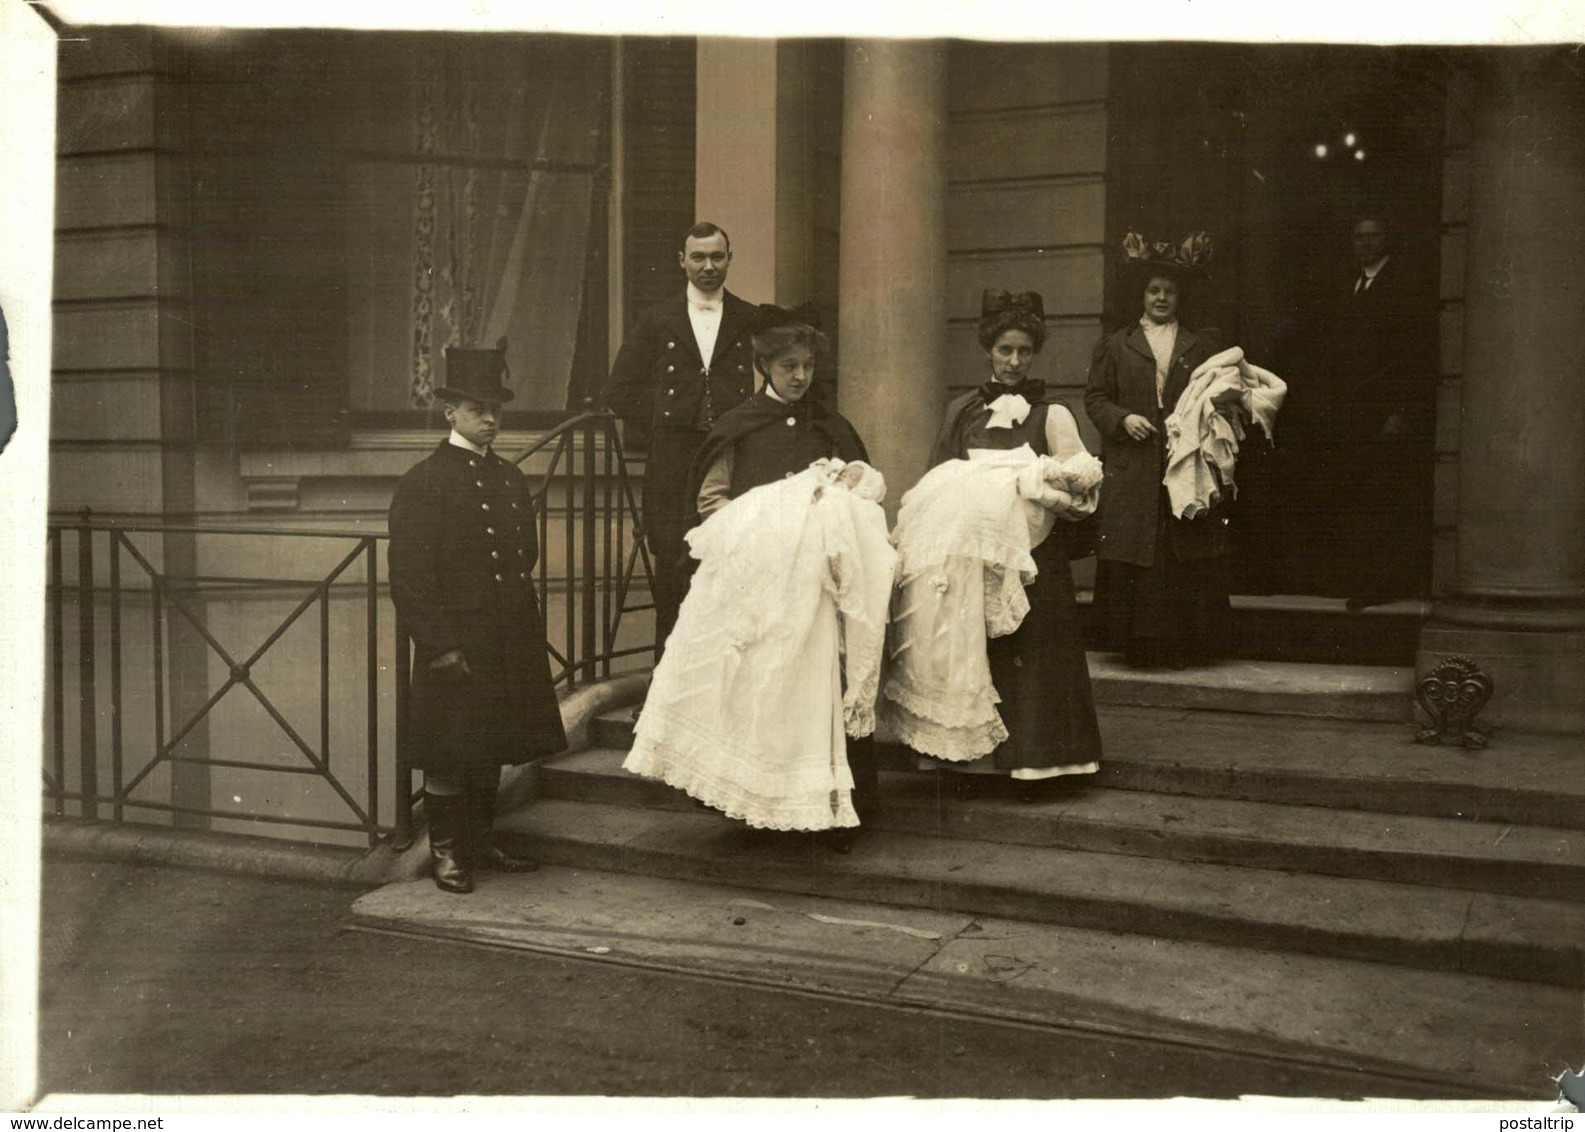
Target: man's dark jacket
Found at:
658, 378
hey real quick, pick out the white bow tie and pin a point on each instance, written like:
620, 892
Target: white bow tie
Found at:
1007, 410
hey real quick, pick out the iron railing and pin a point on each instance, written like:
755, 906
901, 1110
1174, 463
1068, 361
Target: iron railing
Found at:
595, 536
179, 600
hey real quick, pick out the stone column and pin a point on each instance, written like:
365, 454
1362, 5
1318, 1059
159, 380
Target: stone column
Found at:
894, 252
1518, 606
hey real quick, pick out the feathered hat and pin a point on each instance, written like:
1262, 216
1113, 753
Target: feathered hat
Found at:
1187, 258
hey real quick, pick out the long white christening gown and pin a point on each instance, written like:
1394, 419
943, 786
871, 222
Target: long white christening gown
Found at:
747, 710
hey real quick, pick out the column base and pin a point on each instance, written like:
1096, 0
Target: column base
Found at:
1538, 676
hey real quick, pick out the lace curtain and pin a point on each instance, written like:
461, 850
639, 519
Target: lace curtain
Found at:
470, 199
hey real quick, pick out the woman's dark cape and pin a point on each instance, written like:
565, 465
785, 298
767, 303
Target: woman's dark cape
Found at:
758, 412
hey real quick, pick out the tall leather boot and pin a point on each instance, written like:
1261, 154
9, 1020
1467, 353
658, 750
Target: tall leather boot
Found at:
482, 851
448, 826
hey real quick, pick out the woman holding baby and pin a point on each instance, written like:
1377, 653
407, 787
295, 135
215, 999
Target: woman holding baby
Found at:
985, 588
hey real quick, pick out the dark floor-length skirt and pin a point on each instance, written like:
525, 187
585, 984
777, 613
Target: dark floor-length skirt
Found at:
1171, 614
1041, 673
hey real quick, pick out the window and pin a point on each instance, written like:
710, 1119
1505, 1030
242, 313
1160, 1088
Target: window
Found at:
363, 200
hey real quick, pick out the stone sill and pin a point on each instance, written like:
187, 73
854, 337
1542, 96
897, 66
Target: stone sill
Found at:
273, 478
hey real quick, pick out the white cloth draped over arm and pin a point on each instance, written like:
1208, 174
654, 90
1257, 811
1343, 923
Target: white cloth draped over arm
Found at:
1202, 440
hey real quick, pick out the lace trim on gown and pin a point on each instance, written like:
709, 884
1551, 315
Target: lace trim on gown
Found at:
746, 710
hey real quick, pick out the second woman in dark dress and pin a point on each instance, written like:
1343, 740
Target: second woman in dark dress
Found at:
1038, 671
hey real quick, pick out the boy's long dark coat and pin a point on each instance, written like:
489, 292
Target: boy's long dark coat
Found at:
463, 549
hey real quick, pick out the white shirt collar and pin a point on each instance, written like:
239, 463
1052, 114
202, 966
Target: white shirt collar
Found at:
697, 298
1375, 269
463, 442
770, 391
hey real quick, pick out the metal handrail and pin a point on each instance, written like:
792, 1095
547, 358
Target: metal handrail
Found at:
602, 548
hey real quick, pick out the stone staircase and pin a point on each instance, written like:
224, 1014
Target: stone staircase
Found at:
1310, 831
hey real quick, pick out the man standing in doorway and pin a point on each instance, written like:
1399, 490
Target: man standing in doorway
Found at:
1371, 430
684, 364
463, 547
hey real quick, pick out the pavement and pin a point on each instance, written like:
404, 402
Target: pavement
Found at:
1458, 1035
174, 981
1221, 1015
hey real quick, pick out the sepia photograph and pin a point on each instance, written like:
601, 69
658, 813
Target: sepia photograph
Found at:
708, 557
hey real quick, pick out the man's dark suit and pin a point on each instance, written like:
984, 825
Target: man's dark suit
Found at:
1367, 442
664, 393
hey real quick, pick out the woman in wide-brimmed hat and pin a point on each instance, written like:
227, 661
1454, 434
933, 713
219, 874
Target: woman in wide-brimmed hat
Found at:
1161, 582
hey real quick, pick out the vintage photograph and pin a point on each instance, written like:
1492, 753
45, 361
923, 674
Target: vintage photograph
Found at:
953, 563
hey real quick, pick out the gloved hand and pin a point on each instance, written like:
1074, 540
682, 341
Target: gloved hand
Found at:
451, 667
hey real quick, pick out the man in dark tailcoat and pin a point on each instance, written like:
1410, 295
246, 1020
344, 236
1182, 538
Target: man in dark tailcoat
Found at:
463, 548
685, 364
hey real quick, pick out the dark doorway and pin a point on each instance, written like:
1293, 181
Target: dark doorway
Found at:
1278, 152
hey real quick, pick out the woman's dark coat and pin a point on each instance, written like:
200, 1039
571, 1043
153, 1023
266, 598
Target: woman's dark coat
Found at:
463, 549
1123, 381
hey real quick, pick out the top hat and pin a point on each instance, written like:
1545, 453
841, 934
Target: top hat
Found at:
1190, 258
994, 301
478, 375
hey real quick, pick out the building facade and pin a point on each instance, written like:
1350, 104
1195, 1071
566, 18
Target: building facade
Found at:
265, 240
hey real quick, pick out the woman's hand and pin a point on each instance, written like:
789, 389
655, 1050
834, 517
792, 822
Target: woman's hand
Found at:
1138, 427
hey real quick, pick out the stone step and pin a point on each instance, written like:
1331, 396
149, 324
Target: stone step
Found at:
1438, 852
1509, 937
1262, 687
1323, 630
1252, 687
1519, 780
1415, 1033
1318, 630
